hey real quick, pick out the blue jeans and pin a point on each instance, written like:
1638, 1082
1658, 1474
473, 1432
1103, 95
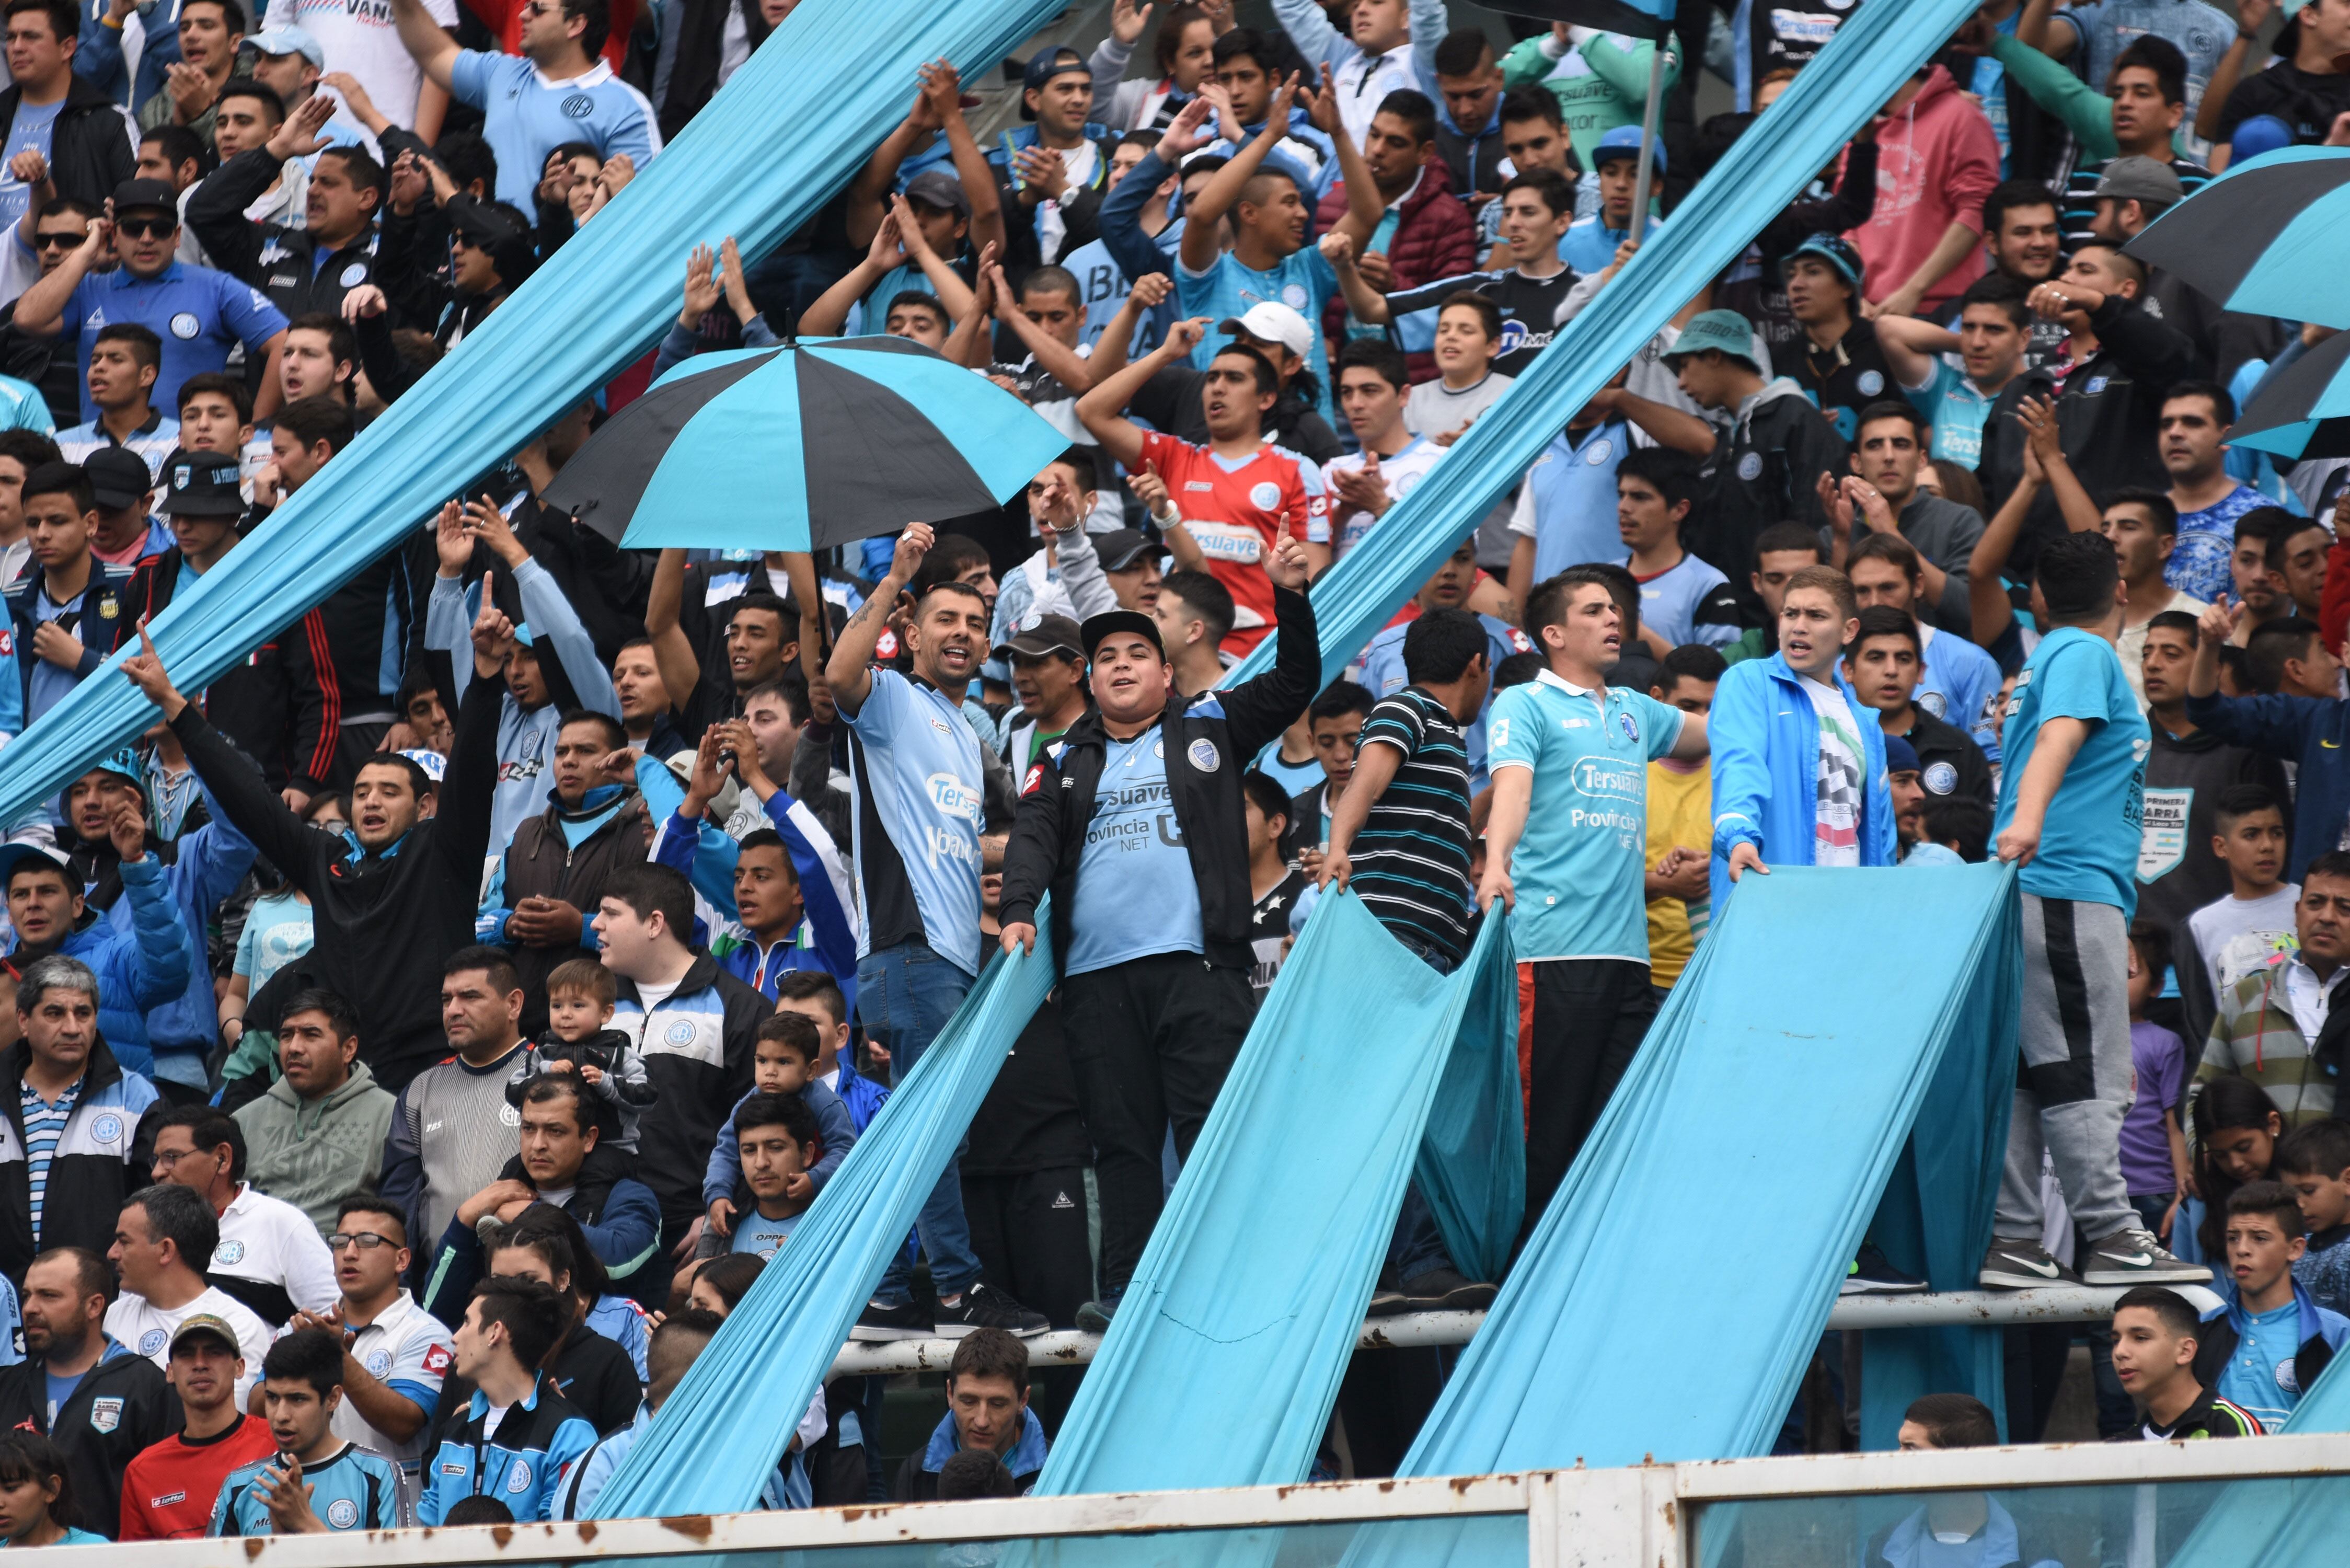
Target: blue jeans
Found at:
905, 994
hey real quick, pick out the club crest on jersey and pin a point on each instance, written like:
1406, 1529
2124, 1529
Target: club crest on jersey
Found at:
1264, 495
342, 1513
105, 1415
1204, 756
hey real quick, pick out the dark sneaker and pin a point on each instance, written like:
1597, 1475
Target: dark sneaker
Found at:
2022, 1265
2131, 1256
1872, 1274
1094, 1316
877, 1324
1441, 1289
985, 1307
1387, 1301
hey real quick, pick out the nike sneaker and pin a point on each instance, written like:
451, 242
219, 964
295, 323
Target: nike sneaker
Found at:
2131, 1256
2024, 1265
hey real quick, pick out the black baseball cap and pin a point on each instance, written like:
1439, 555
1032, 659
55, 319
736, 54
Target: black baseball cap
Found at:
1043, 635
1043, 66
1110, 623
137, 194
1121, 548
117, 478
201, 484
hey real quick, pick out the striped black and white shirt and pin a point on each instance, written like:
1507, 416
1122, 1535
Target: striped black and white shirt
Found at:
1411, 857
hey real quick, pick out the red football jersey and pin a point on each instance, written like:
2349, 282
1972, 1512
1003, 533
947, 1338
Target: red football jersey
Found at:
1237, 516
169, 1488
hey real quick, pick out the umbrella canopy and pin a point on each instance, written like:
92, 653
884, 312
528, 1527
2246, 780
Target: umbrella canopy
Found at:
2304, 412
2265, 238
803, 446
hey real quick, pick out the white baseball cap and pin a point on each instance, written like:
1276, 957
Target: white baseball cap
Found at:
1270, 321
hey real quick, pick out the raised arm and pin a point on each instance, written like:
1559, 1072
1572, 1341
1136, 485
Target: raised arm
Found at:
1910, 346
433, 49
1102, 409
1369, 304
1057, 358
849, 672
674, 654
1365, 206
41, 308
884, 253
1221, 192
971, 165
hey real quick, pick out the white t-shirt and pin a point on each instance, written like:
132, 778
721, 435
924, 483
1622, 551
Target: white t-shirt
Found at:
2237, 936
147, 1329
1400, 472
363, 39
1431, 408
270, 1242
1837, 839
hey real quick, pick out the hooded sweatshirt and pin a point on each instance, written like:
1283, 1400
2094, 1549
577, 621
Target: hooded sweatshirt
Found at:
1935, 161
315, 1153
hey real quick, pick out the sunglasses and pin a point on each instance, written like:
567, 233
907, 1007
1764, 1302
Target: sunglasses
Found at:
64, 240
146, 228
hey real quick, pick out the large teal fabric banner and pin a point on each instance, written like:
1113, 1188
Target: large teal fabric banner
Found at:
1764, 1116
1224, 1359
720, 1436
761, 157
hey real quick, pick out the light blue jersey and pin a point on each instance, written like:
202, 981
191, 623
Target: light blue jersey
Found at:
22, 408
1102, 288
1568, 505
354, 1490
1589, 246
918, 779
1960, 686
1669, 602
1135, 893
754, 1232
2089, 844
2260, 1376
1579, 867
199, 314
525, 117
1956, 408
1303, 282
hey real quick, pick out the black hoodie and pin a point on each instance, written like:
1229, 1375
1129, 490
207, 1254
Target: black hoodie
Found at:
120, 1406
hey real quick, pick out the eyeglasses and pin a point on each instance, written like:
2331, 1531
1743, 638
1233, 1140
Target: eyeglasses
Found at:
539, 8
164, 1159
365, 1241
146, 228
63, 239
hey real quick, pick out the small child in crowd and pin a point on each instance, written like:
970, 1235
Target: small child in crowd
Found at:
2153, 1143
2314, 1160
2239, 933
581, 996
789, 1044
774, 1138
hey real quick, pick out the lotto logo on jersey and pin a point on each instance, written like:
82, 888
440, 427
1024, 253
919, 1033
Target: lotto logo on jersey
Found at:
1034, 780
437, 1360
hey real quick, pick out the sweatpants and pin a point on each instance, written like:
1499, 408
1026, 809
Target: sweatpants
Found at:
1149, 1042
2075, 1080
1029, 1232
1577, 1035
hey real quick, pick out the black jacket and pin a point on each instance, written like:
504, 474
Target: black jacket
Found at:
102, 1156
1942, 744
96, 619
385, 921
693, 67
281, 261
698, 1078
99, 1444
274, 705
91, 149
1765, 469
1210, 739
542, 863
2106, 415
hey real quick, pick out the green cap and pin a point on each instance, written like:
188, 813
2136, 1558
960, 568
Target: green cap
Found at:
206, 1323
1723, 329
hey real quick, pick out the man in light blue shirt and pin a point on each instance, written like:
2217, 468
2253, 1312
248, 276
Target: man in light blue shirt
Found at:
1272, 256
915, 768
2071, 806
1566, 852
1591, 243
1993, 330
560, 89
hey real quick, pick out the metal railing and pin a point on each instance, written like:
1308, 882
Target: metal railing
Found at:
1968, 1309
1648, 1515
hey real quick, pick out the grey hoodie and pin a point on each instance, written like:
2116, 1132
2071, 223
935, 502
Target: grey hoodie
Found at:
315, 1153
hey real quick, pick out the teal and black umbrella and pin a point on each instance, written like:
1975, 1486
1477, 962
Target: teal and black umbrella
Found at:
2304, 411
803, 446
2267, 237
